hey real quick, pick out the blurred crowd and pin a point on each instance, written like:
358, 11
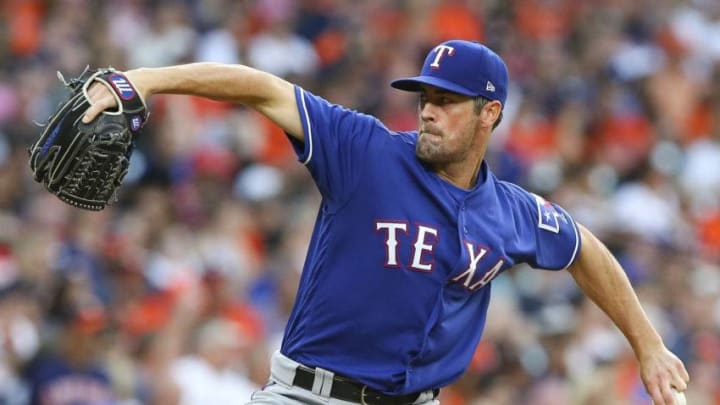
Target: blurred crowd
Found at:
178, 292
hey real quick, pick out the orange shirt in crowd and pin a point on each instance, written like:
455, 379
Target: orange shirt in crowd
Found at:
454, 20
543, 20
24, 19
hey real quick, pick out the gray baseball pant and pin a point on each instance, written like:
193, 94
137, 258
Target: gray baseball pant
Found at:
280, 390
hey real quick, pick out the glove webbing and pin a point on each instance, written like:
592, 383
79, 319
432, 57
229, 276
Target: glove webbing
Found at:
97, 173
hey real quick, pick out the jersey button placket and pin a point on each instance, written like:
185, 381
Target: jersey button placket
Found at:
462, 218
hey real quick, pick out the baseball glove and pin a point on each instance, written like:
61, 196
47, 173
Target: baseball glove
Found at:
84, 164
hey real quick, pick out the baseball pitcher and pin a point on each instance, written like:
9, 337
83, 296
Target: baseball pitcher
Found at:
412, 230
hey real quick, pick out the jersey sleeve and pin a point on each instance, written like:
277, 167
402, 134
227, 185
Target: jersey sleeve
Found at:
338, 142
547, 236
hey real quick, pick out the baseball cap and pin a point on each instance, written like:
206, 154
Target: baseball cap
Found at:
466, 67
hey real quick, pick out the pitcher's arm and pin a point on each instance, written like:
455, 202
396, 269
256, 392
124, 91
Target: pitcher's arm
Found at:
270, 95
603, 280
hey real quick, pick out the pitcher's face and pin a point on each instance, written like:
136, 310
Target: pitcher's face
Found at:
447, 127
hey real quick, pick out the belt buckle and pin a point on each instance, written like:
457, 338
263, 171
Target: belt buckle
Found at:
362, 395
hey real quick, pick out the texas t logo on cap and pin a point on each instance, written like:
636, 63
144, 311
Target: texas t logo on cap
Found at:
464, 67
439, 53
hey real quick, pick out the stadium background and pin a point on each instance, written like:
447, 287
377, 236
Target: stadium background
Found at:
614, 114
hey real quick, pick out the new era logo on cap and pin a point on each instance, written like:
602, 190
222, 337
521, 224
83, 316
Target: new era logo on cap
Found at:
463, 67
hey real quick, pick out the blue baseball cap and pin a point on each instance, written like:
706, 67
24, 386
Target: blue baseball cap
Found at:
465, 67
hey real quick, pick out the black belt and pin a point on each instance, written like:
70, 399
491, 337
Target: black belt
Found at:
351, 391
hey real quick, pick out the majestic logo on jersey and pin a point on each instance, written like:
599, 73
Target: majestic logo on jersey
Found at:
548, 216
440, 53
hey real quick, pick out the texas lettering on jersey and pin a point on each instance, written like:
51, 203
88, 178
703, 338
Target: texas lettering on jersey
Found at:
426, 238
468, 276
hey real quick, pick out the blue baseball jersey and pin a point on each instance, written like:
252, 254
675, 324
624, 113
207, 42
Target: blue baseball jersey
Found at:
53, 381
396, 283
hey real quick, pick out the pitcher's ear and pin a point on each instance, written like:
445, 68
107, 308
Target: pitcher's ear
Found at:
490, 113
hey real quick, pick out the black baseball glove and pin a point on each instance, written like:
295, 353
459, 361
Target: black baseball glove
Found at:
84, 164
